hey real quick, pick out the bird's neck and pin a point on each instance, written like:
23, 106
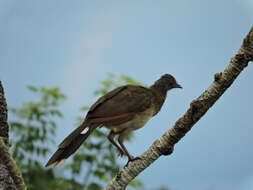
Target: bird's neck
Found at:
159, 88
159, 97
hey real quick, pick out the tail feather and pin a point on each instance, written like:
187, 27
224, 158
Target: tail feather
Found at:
70, 144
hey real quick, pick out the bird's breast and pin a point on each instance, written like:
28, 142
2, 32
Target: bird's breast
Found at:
138, 121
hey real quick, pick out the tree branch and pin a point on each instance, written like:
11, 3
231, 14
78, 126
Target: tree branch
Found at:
10, 176
198, 107
4, 127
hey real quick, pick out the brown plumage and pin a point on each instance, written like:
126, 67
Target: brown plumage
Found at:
122, 110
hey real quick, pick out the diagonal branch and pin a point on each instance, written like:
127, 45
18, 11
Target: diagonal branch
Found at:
198, 107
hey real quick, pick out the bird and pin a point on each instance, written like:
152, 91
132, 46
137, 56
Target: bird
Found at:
122, 110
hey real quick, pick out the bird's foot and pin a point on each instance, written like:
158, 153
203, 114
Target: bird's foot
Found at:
121, 153
131, 159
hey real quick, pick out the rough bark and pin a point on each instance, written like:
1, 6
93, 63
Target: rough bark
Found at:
198, 107
4, 127
10, 176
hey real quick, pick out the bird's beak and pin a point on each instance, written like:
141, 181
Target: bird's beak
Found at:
178, 86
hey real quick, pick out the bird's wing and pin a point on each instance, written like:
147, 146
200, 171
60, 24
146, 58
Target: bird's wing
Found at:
106, 97
120, 105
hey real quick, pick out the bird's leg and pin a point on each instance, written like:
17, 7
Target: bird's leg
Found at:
111, 139
120, 140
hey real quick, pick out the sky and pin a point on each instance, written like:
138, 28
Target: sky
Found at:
74, 44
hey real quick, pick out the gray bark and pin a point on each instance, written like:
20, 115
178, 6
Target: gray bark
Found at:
6, 181
198, 107
10, 176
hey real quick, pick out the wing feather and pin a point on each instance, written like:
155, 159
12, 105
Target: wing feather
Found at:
120, 102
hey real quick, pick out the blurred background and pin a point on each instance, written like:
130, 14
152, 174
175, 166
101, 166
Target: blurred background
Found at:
64, 51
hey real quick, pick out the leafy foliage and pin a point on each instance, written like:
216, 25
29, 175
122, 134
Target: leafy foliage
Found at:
33, 131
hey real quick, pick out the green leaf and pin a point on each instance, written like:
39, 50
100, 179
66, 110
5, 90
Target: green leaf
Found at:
32, 88
136, 183
94, 186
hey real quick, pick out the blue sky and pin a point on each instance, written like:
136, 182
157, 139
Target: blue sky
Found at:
73, 44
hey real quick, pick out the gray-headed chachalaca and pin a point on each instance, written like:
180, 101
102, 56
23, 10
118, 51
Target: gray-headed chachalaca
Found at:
122, 110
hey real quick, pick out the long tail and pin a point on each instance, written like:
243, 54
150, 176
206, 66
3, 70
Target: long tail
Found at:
70, 144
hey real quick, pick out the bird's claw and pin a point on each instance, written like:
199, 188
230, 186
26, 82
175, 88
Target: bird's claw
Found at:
131, 159
121, 153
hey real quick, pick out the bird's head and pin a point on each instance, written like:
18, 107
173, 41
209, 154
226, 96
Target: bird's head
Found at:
165, 83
